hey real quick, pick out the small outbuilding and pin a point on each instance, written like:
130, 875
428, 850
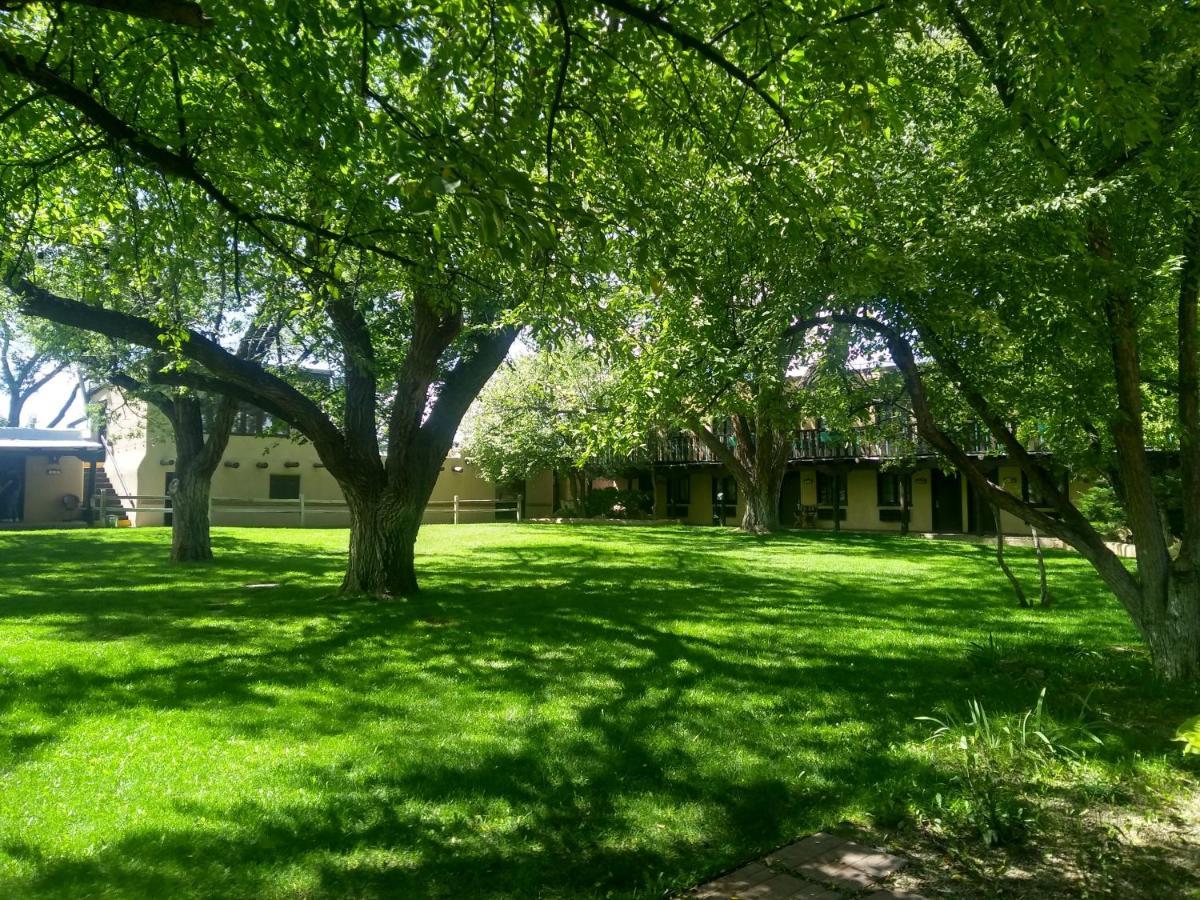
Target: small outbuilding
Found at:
46, 476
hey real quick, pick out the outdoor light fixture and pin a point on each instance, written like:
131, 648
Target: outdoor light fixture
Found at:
261, 465
318, 465
808, 479
291, 465
54, 470
166, 462
231, 464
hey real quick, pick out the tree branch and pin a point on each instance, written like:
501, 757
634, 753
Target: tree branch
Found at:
689, 41
173, 12
250, 380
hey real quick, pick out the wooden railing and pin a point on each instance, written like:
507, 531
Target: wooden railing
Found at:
819, 444
303, 509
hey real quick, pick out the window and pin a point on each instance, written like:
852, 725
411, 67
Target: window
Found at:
285, 487
888, 488
253, 422
679, 495
887, 411
1032, 495
825, 488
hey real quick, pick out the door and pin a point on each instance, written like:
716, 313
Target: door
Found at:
981, 517
724, 499
789, 500
947, 502
12, 488
168, 518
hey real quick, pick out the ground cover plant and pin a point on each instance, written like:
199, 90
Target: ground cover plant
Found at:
591, 711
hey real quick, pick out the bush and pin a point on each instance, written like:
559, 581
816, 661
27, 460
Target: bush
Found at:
1100, 506
996, 762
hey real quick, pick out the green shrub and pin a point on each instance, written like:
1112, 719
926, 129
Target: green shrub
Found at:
1100, 506
1189, 734
996, 763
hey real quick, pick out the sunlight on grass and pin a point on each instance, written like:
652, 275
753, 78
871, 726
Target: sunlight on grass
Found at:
595, 711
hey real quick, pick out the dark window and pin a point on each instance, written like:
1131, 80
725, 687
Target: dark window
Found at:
825, 483
253, 422
888, 486
1032, 495
887, 411
285, 487
679, 495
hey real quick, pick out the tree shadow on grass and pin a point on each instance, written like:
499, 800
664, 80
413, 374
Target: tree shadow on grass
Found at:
586, 721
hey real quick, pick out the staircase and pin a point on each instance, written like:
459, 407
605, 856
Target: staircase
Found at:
104, 489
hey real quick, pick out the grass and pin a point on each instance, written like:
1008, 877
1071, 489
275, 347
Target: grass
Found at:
596, 711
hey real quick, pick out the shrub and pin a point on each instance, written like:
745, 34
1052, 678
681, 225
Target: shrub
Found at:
996, 761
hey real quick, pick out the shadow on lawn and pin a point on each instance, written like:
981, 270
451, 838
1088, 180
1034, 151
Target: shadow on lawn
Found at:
688, 686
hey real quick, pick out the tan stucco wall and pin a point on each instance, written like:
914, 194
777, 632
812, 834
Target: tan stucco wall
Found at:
539, 496
145, 454
44, 492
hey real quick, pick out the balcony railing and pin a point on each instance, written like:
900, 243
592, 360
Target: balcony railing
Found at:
822, 443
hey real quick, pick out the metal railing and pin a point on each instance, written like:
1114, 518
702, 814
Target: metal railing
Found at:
301, 507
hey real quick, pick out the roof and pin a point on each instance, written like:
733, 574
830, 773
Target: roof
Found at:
64, 441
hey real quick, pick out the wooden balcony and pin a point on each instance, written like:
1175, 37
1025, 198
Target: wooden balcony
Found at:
815, 444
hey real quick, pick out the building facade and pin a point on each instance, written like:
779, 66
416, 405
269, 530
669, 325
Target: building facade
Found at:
269, 476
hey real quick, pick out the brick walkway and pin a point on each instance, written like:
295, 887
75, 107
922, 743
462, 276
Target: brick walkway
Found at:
819, 867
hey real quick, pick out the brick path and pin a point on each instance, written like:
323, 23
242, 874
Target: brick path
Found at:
819, 867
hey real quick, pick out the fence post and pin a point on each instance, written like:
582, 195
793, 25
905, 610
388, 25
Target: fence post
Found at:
520, 503
103, 518
456, 509
301, 510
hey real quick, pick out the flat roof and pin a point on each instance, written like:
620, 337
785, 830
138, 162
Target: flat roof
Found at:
50, 440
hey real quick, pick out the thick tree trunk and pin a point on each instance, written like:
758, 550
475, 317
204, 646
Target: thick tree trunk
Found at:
190, 538
1174, 633
16, 404
762, 492
383, 536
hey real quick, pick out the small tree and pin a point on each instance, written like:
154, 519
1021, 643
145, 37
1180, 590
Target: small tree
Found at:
540, 412
26, 368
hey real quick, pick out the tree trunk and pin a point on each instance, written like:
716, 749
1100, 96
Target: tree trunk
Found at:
1008, 573
190, 538
1174, 634
383, 536
1044, 596
762, 492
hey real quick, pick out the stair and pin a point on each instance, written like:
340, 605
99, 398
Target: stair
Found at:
104, 489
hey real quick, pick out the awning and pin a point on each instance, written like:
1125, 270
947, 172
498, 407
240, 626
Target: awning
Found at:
51, 442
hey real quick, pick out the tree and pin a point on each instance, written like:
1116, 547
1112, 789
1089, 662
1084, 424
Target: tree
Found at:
1027, 183
541, 412
414, 221
25, 370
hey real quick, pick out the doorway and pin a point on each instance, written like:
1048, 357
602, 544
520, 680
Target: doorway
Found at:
168, 518
947, 502
12, 488
724, 499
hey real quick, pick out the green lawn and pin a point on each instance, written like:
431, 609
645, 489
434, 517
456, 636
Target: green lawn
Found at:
594, 711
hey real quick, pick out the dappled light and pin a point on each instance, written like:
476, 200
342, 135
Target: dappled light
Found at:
625, 709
